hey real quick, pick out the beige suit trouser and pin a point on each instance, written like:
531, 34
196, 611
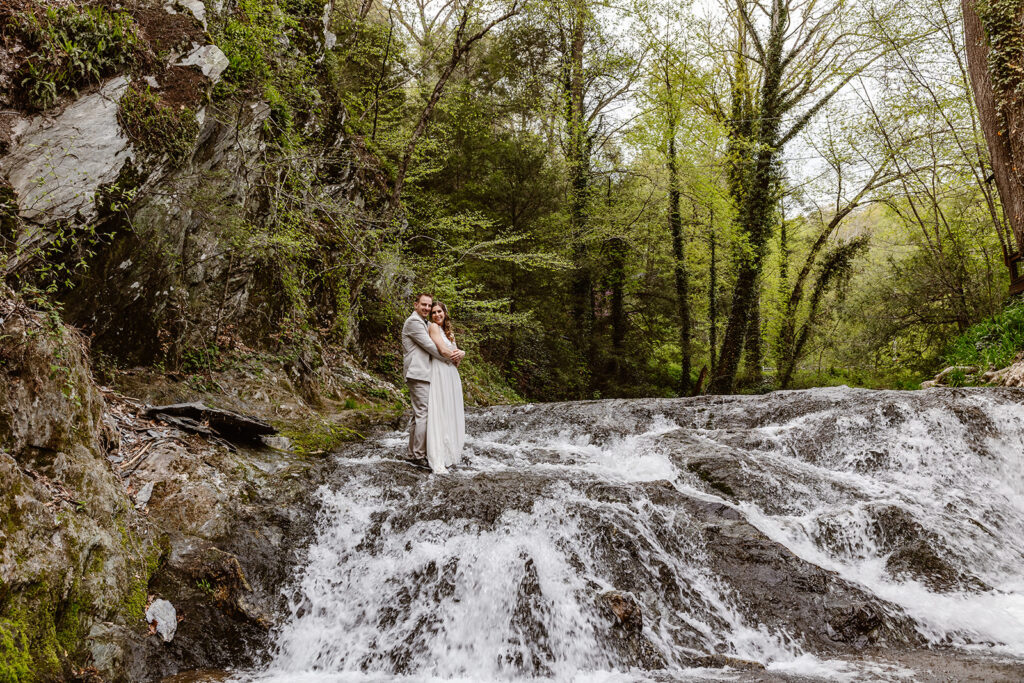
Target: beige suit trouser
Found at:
419, 393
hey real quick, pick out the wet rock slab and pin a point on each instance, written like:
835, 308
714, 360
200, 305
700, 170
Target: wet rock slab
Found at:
673, 576
672, 565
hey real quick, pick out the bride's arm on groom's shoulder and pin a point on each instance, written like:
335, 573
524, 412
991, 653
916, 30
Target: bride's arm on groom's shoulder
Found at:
437, 337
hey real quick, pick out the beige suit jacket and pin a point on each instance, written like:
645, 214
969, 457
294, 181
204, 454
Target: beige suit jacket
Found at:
418, 348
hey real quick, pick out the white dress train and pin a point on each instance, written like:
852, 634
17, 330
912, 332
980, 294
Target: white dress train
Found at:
446, 418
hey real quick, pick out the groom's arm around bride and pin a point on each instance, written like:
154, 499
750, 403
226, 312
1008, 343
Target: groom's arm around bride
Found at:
418, 349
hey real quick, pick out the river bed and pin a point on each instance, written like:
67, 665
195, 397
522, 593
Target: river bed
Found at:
830, 534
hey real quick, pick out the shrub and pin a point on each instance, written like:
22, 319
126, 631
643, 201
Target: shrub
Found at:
992, 342
262, 40
156, 128
249, 41
72, 47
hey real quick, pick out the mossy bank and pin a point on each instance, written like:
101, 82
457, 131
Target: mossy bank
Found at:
74, 553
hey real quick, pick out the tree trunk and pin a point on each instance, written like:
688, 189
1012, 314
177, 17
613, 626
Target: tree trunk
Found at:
735, 330
783, 340
755, 221
616, 249
757, 184
1001, 132
578, 158
835, 268
675, 224
752, 345
712, 297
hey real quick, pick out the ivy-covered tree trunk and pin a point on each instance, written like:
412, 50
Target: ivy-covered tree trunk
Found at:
753, 349
783, 338
755, 220
997, 79
712, 297
833, 272
616, 249
578, 161
754, 180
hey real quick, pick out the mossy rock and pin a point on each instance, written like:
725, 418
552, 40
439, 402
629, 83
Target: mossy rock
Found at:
15, 661
156, 128
319, 436
78, 552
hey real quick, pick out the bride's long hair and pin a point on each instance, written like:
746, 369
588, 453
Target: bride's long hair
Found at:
446, 326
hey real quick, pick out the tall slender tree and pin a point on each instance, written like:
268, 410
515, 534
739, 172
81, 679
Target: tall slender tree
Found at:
594, 70
801, 55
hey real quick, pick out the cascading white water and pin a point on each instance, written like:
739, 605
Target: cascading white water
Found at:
962, 482
912, 502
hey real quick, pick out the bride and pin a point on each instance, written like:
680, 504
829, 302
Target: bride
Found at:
446, 422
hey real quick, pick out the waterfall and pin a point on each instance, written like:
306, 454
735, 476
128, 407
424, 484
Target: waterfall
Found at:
805, 532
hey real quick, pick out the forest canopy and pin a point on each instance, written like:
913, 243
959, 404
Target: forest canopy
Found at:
613, 197
654, 198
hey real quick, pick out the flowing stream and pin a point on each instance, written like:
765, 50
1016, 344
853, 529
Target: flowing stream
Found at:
827, 534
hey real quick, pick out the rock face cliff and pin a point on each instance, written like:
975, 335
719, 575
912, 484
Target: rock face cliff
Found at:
176, 181
160, 188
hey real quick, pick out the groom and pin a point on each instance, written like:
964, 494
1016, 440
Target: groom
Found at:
418, 348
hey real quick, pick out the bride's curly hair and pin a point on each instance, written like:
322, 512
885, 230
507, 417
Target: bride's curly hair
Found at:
446, 327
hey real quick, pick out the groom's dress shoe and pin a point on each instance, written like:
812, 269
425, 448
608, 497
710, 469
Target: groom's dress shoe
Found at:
419, 462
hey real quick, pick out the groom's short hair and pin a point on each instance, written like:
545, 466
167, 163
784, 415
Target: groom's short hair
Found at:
425, 294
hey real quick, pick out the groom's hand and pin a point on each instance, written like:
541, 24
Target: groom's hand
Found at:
458, 356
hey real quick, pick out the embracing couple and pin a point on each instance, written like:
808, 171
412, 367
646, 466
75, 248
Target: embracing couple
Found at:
438, 427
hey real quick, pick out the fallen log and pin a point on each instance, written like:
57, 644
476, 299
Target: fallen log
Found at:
202, 419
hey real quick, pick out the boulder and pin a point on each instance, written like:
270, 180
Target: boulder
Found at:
56, 165
196, 7
74, 554
623, 610
209, 58
162, 617
1012, 375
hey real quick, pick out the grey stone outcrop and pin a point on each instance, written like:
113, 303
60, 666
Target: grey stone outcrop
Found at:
57, 164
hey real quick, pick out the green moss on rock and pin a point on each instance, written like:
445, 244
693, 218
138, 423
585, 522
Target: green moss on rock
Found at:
156, 128
319, 436
55, 592
15, 661
29, 622
133, 606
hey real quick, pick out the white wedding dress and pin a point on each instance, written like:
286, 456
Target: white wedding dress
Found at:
446, 418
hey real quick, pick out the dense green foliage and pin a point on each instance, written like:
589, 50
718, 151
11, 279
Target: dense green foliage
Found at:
613, 200
156, 128
546, 222
72, 47
993, 343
